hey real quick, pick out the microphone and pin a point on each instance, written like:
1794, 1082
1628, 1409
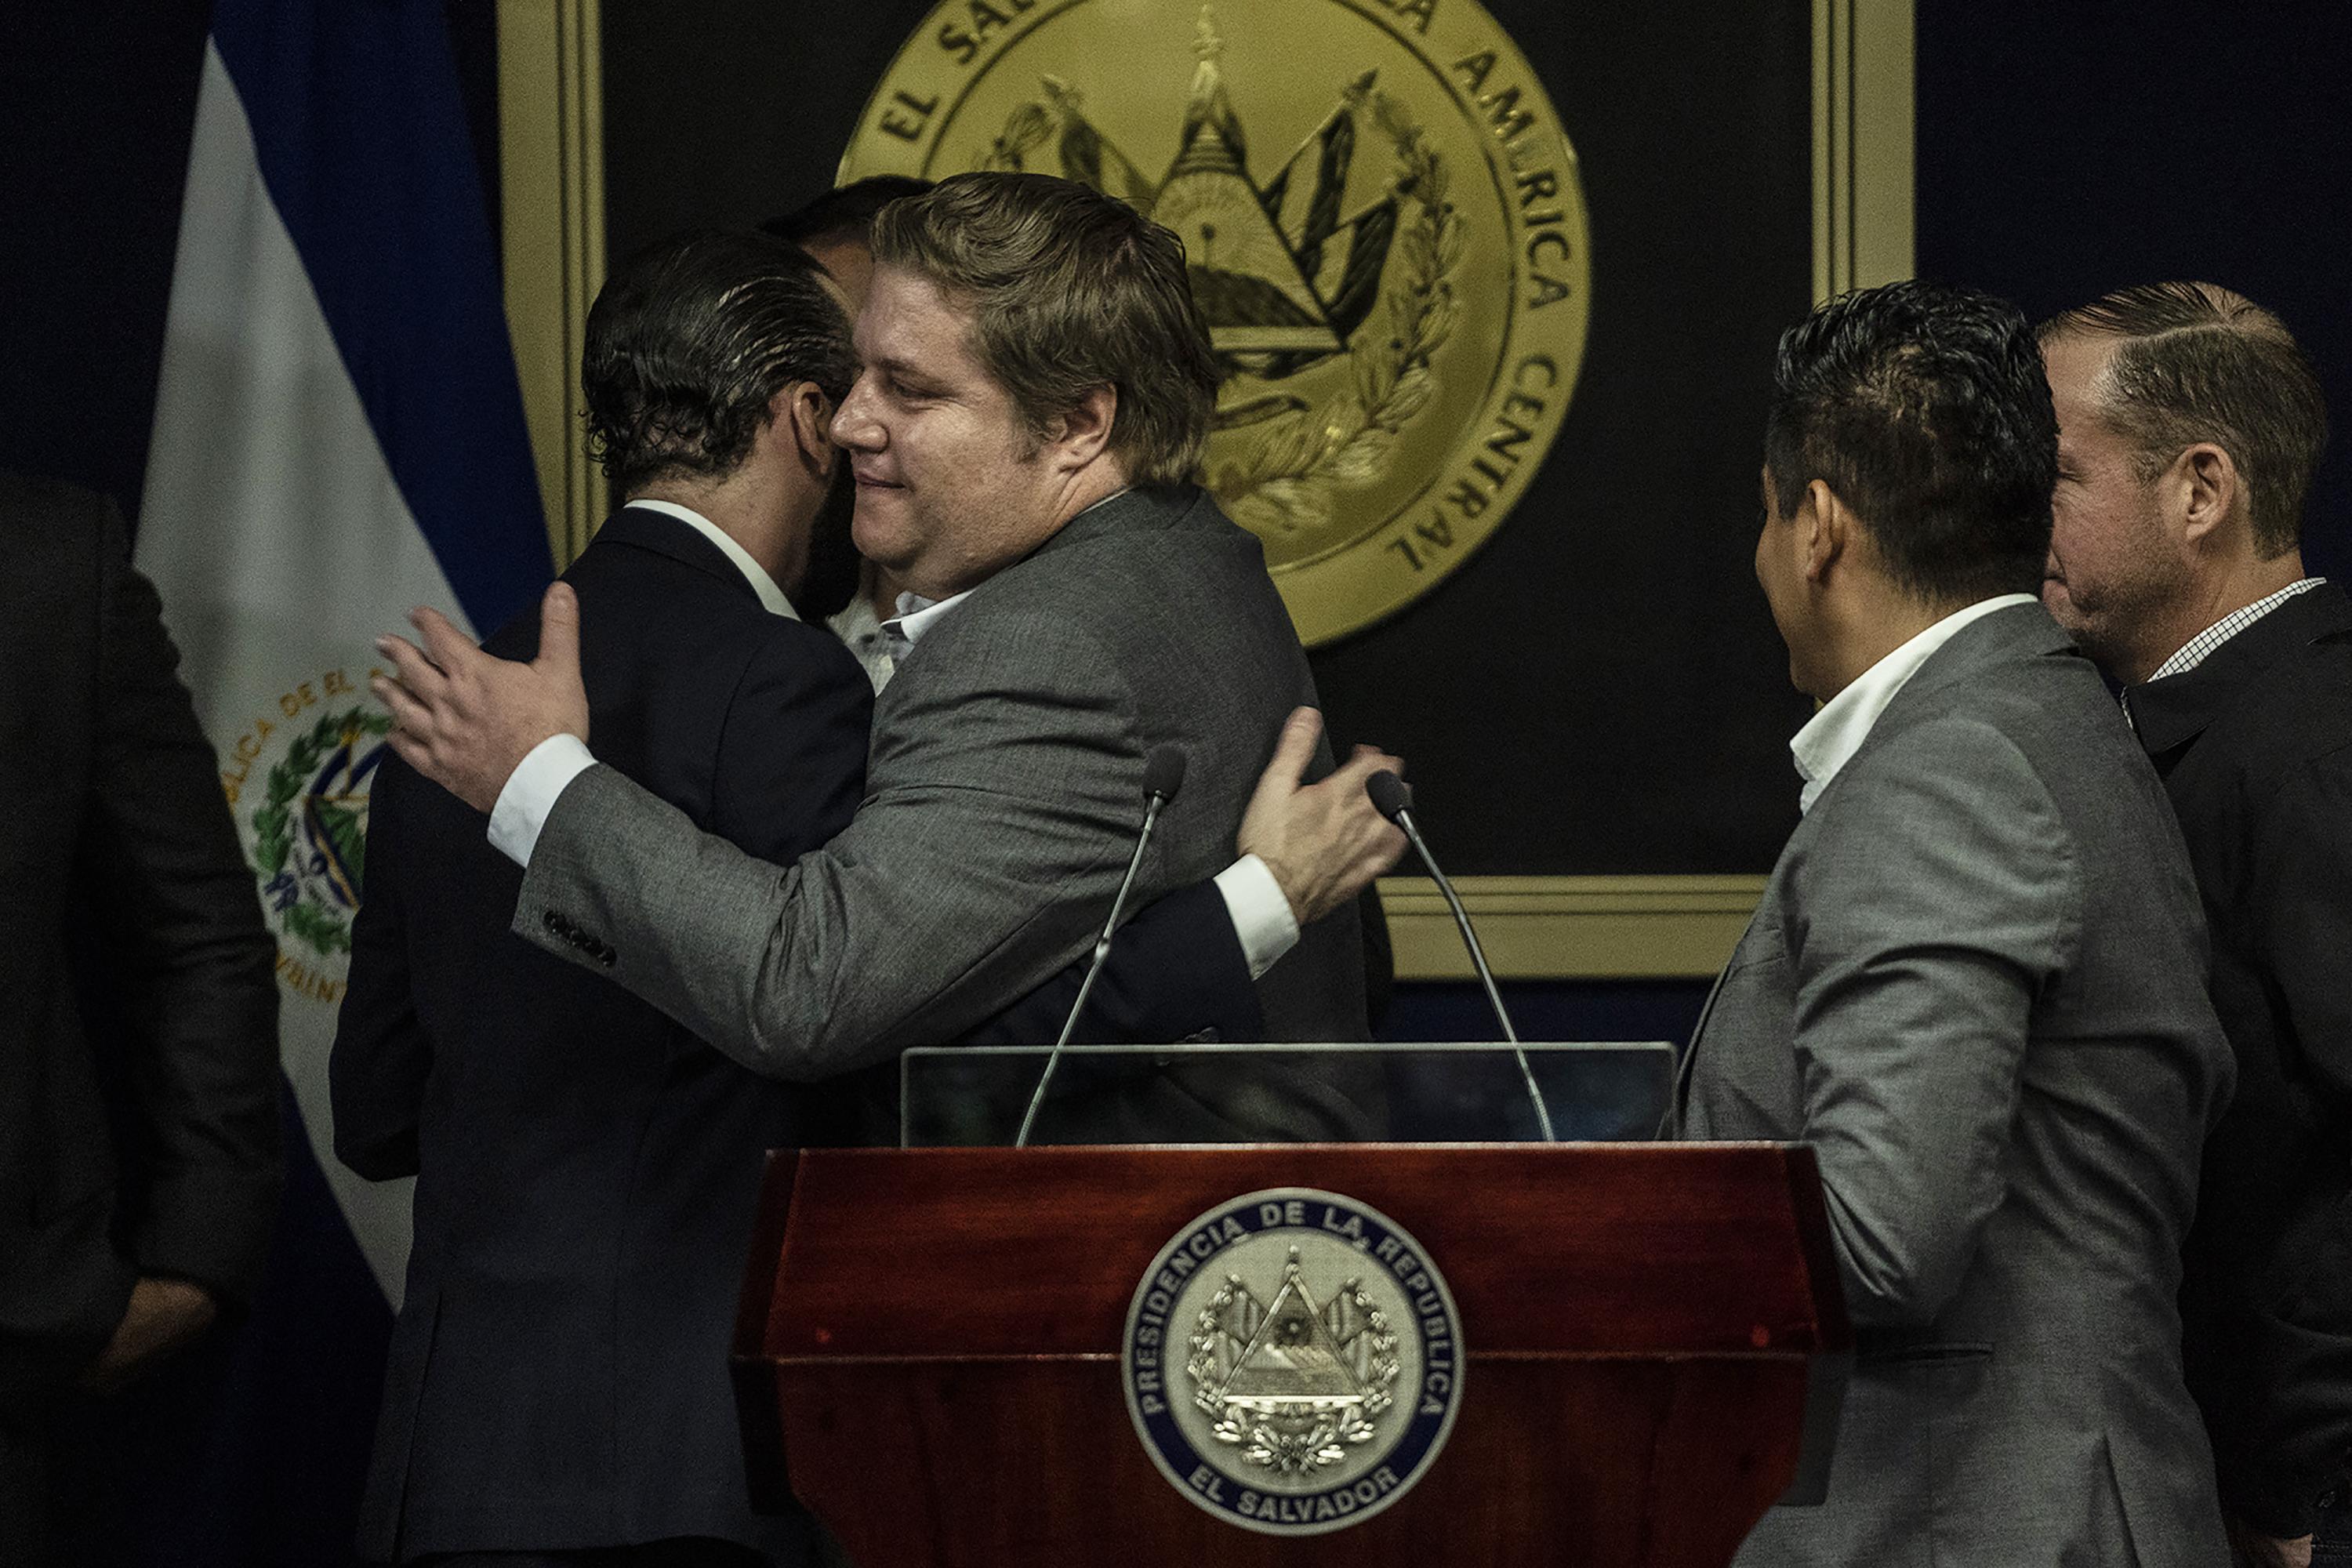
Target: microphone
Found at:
1163, 776
1392, 798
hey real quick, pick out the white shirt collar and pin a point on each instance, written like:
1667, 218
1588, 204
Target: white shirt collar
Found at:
1829, 741
2203, 646
754, 573
918, 615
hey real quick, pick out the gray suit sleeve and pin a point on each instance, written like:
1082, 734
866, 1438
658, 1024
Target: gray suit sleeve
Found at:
1003, 790
1946, 896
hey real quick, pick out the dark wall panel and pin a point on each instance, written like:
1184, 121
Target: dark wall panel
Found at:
2068, 149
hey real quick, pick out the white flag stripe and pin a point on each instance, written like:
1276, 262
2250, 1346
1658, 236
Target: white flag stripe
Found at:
282, 545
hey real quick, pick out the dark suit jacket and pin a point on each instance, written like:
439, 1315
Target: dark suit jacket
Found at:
114, 816
2255, 748
1972, 985
586, 1167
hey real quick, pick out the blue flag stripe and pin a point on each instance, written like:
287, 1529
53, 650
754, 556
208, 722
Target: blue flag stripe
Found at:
364, 144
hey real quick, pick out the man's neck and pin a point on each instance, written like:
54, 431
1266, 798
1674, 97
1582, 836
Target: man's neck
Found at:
2211, 598
731, 506
1891, 619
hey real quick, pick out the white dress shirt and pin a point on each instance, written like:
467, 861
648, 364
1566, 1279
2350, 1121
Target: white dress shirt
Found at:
860, 631
1255, 901
1831, 737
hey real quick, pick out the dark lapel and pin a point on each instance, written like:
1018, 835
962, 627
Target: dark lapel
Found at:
2169, 714
642, 528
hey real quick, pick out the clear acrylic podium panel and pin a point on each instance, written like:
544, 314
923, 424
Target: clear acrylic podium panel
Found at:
973, 1097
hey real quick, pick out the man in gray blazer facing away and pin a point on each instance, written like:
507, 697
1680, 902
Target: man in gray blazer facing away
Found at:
1975, 982
1037, 389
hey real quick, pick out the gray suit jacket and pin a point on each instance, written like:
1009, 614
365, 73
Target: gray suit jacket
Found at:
1975, 984
1003, 790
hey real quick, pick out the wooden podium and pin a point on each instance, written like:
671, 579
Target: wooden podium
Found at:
929, 1350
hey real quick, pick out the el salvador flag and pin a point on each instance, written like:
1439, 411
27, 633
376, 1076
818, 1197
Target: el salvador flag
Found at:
338, 435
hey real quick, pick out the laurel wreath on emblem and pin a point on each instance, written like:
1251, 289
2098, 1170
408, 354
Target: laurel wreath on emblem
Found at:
1284, 481
342, 829
1287, 479
1292, 1402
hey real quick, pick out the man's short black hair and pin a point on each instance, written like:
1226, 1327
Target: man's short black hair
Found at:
690, 343
1926, 408
846, 212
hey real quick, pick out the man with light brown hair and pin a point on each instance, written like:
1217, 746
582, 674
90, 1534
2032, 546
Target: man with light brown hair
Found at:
1037, 389
2190, 425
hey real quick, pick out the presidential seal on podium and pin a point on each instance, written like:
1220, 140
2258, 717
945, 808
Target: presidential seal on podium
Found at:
1293, 1362
1385, 229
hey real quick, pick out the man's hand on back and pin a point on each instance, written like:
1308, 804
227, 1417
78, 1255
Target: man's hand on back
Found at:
1324, 842
467, 720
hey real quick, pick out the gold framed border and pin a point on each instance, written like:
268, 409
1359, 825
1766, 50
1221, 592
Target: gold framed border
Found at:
551, 180
1534, 927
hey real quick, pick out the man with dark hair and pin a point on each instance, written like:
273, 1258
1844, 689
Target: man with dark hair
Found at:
2189, 426
586, 1168
834, 227
1084, 604
1972, 985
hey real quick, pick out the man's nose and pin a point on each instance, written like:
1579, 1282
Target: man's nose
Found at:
854, 425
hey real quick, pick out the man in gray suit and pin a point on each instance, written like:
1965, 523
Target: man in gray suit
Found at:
1037, 388
1975, 982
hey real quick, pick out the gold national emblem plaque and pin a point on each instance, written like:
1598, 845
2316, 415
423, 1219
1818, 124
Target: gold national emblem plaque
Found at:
1386, 230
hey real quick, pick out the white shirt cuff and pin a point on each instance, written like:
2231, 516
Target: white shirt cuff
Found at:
1260, 913
530, 791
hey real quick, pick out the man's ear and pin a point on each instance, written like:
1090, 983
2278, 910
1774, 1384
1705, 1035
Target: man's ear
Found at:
1825, 529
803, 415
1083, 431
2203, 489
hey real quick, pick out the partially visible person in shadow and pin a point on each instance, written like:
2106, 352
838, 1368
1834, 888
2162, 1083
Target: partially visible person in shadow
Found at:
139, 1160
851, 594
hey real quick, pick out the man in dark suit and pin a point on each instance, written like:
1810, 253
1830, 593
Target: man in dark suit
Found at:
1973, 981
2189, 426
1036, 392
139, 1125
586, 1167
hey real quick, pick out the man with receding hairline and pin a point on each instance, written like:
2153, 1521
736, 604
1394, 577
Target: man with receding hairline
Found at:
2189, 426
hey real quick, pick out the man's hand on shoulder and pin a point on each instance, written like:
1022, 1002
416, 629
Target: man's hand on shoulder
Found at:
465, 718
1324, 842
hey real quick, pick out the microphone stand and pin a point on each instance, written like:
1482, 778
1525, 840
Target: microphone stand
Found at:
1393, 797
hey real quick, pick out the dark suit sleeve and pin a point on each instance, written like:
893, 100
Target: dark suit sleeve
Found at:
381, 1058
2300, 1440
192, 962
1176, 973
791, 754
